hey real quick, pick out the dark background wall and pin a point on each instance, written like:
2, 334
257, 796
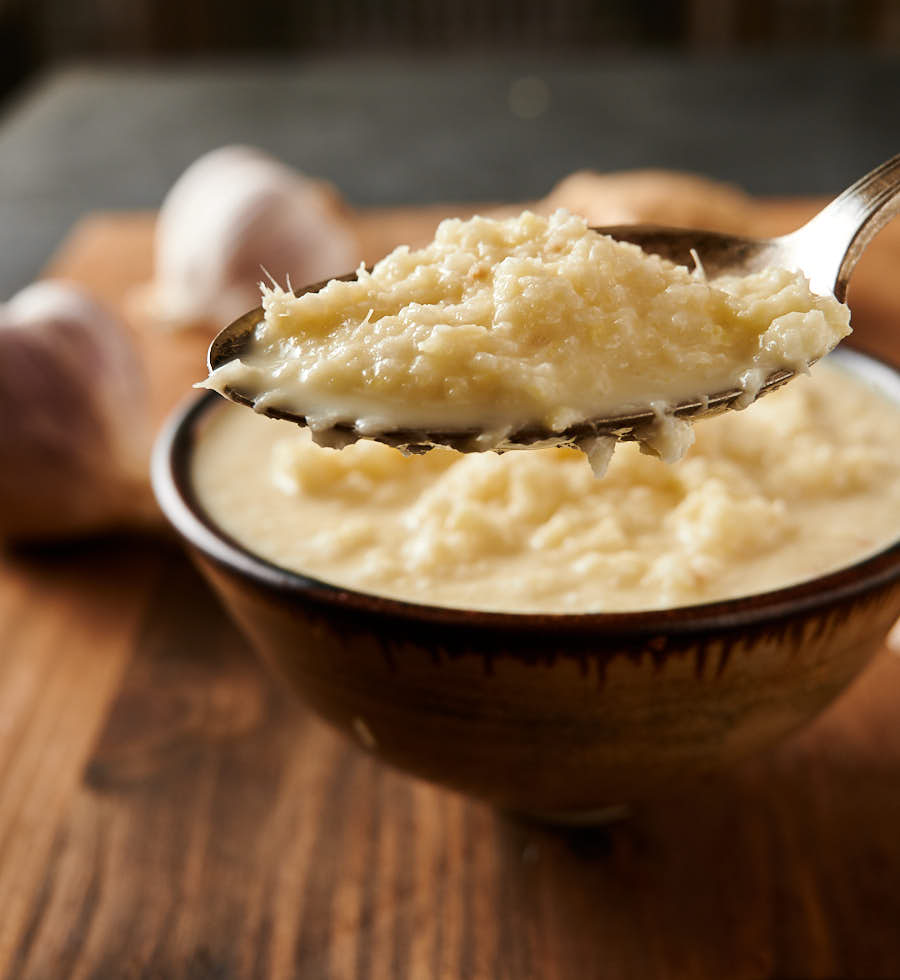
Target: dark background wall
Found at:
38, 33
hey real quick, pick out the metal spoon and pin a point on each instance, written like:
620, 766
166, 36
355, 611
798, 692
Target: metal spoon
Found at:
826, 249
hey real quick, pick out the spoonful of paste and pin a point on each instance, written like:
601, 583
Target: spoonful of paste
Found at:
533, 331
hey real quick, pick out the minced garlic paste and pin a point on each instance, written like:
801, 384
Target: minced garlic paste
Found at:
803, 482
499, 325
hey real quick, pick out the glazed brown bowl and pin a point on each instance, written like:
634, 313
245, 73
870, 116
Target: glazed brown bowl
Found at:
559, 715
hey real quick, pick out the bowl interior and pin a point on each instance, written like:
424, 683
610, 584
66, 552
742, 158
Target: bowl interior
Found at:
175, 493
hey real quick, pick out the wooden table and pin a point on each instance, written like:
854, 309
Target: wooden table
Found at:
167, 812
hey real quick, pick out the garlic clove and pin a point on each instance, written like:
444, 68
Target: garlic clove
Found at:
652, 197
232, 217
75, 438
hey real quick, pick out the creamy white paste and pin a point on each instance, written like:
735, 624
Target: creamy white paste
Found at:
499, 325
805, 481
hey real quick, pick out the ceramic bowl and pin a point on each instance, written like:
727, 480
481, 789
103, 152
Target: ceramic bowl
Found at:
556, 715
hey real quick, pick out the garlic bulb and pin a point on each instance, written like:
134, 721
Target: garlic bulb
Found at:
232, 217
74, 444
653, 196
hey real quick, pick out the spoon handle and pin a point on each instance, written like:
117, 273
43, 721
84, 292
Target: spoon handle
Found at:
832, 242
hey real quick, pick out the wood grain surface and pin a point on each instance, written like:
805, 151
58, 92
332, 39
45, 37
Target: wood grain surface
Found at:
166, 811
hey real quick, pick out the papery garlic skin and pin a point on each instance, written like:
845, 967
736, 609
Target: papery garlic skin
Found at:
232, 217
75, 438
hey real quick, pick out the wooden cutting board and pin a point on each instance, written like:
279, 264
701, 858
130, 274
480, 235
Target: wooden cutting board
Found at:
167, 812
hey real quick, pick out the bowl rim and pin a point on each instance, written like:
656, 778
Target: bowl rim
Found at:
181, 506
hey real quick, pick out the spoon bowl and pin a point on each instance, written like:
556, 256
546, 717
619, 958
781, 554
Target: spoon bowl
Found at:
826, 249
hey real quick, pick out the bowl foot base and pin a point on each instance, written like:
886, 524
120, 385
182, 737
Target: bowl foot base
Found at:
580, 818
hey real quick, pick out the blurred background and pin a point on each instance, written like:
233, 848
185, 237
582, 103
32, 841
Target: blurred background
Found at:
104, 103
39, 33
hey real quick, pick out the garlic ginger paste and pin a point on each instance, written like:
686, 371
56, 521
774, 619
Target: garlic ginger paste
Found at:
499, 325
805, 481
